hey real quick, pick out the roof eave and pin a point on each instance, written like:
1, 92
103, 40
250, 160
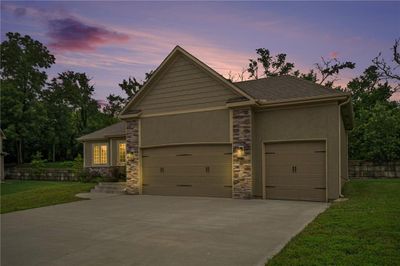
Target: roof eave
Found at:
130, 116
264, 103
241, 104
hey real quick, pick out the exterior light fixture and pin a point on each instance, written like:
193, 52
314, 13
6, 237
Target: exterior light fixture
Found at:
130, 156
240, 152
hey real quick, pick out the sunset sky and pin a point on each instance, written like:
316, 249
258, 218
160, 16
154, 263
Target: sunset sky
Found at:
111, 41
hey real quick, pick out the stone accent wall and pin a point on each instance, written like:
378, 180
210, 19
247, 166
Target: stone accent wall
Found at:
242, 166
363, 169
133, 182
100, 171
43, 174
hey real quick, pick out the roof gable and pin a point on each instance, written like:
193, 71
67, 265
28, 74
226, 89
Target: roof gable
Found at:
182, 82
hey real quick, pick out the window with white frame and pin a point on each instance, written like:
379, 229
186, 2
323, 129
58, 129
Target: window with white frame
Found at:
99, 154
121, 153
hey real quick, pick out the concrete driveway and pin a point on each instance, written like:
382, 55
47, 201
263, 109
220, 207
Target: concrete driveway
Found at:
153, 230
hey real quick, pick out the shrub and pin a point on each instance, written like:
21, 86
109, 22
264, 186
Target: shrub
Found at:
87, 176
38, 164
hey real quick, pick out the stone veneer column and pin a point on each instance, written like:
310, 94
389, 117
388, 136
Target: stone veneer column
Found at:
133, 181
242, 166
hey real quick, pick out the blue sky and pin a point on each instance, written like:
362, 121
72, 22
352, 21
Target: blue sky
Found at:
114, 40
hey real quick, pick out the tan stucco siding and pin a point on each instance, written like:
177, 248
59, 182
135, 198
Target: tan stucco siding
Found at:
344, 154
198, 127
87, 154
298, 123
183, 86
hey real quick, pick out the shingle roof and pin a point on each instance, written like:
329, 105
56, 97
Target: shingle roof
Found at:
114, 130
284, 88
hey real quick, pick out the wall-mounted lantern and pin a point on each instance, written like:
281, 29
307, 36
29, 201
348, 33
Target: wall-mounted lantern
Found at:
240, 152
130, 156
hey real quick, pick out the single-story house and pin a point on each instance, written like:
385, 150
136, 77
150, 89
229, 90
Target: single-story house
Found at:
189, 131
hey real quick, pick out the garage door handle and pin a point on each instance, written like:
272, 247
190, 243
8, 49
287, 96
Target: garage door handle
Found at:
294, 169
319, 188
270, 186
183, 185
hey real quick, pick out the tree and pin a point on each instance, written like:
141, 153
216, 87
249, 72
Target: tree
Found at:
329, 70
79, 96
115, 103
114, 106
71, 112
386, 70
376, 135
272, 65
22, 79
326, 72
59, 125
132, 85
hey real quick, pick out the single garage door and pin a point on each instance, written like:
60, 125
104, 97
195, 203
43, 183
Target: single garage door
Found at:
296, 170
189, 170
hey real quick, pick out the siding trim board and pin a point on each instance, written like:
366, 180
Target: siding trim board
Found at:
185, 143
185, 111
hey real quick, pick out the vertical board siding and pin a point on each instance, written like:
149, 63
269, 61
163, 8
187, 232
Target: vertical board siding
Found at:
184, 86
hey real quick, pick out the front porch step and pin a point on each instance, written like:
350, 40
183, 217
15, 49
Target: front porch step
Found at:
110, 187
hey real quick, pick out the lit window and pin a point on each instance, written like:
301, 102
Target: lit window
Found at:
99, 154
122, 153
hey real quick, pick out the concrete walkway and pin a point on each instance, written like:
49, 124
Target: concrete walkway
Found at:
153, 230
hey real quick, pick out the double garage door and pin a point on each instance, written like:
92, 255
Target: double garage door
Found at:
188, 170
296, 170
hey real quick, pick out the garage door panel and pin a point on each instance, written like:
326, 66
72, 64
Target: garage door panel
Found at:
296, 170
290, 147
187, 149
207, 190
214, 159
189, 170
197, 170
297, 181
296, 193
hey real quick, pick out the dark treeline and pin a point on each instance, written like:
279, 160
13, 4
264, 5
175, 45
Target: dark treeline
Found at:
46, 116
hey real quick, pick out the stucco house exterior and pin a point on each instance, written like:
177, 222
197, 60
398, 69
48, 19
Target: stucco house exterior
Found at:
191, 132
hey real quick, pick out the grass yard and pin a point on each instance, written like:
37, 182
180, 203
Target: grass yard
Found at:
365, 230
21, 195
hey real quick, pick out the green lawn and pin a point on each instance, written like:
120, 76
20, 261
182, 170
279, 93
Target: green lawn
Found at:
365, 230
21, 195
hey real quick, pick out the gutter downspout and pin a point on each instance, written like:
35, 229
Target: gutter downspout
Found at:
340, 145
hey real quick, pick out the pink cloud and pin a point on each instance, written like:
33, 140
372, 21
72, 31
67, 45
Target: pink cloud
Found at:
334, 54
69, 34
